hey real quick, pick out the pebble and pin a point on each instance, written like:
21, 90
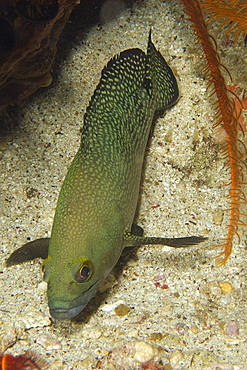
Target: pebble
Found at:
195, 329
8, 335
133, 333
215, 289
174, 341
48, 342
226, 299
169, 136
42, 286
34, 318
156, 336
208, 290
167, 309
144, 352
218, 216
159, 277
111, 307
176, 358
225, 287
122, 310
232, 329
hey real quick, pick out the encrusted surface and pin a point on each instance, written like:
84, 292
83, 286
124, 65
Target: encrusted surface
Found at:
29, 33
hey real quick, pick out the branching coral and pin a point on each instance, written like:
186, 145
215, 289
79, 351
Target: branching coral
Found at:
228, 121
230, 13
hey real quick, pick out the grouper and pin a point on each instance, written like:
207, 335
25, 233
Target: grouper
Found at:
97, 203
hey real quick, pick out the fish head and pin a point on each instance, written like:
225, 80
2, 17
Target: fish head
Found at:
74, 279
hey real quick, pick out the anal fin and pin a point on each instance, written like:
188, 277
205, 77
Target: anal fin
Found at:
133, 239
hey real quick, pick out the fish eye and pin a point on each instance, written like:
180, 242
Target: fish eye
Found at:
84, 272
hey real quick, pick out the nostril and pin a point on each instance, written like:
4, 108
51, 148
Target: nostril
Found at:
7, 36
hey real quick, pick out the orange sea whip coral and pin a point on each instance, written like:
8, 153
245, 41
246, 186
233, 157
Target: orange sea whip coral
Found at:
28, 361
232, 13
227, 119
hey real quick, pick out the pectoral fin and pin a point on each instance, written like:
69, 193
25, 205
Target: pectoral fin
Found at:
137, 230
134, 239
36, 249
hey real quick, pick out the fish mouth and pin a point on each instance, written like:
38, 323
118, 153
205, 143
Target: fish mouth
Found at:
66, 313
59, 312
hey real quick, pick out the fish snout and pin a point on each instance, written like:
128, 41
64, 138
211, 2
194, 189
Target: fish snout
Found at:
62, 309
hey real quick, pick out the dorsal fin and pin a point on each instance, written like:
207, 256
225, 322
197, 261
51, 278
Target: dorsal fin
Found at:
162, 77
121, 77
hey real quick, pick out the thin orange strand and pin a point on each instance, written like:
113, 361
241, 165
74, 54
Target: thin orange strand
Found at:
227, 118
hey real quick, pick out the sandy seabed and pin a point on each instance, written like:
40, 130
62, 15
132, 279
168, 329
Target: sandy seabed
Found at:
173, 309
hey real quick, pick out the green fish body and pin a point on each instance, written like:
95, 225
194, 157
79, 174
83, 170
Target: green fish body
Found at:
98, 199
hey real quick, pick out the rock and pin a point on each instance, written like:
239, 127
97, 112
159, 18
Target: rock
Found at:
232, 329
34, 318
144, 352
122, 310
156, 336
225, 287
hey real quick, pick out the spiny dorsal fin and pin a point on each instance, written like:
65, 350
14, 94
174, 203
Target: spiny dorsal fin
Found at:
162, 77
122, 76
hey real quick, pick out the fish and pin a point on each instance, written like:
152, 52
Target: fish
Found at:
94, 217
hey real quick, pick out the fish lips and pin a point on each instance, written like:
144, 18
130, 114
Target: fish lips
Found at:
66, 313
59, 312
